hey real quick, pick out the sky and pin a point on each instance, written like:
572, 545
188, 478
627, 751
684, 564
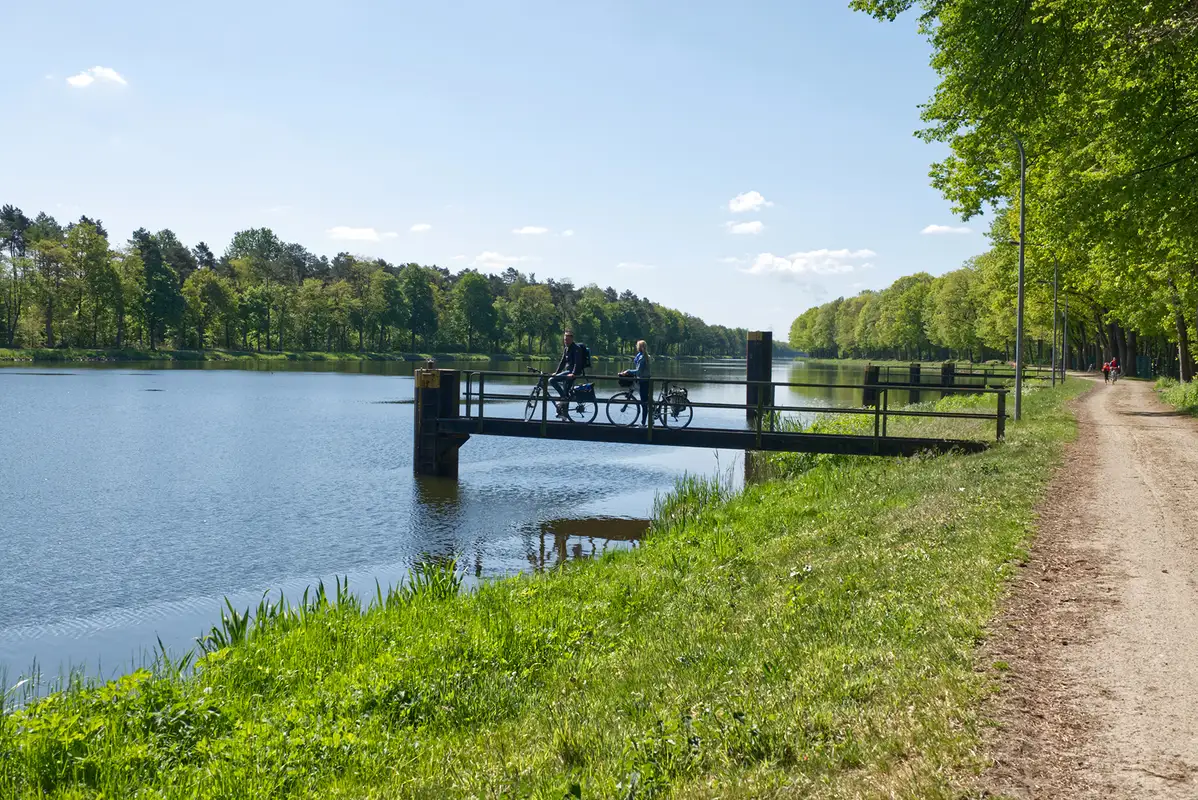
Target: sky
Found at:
737, 162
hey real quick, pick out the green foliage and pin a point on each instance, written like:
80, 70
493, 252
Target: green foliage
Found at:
68, 287
811, 636
1183, 396
1101, 97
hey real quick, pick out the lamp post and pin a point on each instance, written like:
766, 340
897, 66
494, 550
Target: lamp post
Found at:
1019, 301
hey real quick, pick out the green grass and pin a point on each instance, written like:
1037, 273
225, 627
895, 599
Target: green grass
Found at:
1183, 396
812, 636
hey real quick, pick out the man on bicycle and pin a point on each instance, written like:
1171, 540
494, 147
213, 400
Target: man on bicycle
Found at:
568, 369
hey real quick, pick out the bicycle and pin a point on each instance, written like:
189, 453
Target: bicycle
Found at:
580, 404
672, 408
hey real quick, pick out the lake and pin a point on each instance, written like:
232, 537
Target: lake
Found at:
133, 498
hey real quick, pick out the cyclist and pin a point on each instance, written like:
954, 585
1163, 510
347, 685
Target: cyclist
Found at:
640, 371
1114, 369
568, 369
1106, 372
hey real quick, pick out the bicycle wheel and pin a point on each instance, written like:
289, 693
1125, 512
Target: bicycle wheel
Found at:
532, 409
676, 413
582, 412
623, 409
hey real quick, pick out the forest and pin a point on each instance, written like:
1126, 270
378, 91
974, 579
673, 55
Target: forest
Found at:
966, 314
69, 286
1102, 98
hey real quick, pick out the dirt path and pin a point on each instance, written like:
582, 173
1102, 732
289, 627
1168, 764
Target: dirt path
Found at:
1101, 632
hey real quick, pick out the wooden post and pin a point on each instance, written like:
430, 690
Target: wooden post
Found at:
869, 395
913, 378
1002, 414
437, 397
759, 366
948, 375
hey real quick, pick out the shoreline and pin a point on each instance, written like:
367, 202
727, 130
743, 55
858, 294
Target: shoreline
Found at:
820, 629
112, 355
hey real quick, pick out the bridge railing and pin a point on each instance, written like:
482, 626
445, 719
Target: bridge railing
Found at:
763, 415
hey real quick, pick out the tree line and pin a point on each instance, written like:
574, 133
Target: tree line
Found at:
68, 286
966, 314
1101, 96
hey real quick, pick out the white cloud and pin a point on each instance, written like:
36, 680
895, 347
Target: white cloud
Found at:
939, 230
731, 260
530, 230
493, 260
567, 233
812, 262
749, 201
90, 76
348, 234
420, 227
634, 265
756, 226
459, 258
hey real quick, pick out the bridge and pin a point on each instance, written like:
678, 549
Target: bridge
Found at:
446, 417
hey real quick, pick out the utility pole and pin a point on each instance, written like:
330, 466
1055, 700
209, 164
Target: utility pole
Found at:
1019, 302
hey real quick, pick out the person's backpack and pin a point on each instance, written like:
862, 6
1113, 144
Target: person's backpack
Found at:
584, 357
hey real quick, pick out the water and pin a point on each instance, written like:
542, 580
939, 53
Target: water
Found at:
134, 498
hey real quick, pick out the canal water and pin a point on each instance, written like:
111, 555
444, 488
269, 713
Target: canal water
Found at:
134, 498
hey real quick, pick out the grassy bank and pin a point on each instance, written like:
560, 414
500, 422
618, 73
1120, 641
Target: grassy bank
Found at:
1183, 396
812, 636
132, 354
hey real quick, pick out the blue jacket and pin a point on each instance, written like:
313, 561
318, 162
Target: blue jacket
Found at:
640, 366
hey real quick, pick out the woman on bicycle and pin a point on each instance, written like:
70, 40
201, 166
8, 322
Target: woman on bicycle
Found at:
640, 371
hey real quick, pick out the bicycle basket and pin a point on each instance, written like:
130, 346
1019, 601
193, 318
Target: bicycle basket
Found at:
584, 393
625, 383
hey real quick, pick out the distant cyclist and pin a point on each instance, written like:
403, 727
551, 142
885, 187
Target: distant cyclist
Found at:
640, 371
1114, 369
1106, 372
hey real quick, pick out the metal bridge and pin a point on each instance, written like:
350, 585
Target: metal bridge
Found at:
447, 416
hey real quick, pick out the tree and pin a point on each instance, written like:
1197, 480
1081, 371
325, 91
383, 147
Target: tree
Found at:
475, 307
418, 298
86, 256
207, 296
14, 226
950, 313
533, 312
203, 256
161, 302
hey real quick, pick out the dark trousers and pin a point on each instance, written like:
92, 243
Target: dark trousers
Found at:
646, 391
562, 384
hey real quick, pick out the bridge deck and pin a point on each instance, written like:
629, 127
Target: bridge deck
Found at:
708, 438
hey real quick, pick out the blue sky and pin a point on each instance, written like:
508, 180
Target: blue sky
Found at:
606, 142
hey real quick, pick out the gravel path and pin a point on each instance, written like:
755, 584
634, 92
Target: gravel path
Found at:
1098, 647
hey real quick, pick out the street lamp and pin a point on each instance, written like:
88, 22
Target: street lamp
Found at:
1019, 302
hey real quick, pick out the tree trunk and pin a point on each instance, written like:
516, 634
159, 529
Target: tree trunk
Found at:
1185, 360
50, 323
1133, 349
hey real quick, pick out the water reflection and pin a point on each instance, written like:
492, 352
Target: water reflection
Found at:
559, 540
